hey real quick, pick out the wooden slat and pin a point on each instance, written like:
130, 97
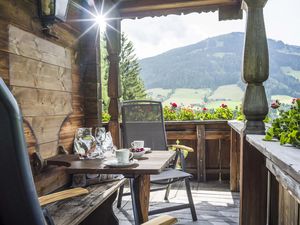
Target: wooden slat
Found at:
288, 208
58, 196
46, 128
133, 8
155, 163
201, 164
50, 180
292, 186
212, 135
234, 166
4, 66
74, 211
162, 220
26, 72
253, 209
28, 45
181, 135
37, 102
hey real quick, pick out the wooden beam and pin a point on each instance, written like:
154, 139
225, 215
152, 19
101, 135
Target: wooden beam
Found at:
255, 67
234, 162
254, 182
113, 32
201, 165
152, 5
231, 12
90, 69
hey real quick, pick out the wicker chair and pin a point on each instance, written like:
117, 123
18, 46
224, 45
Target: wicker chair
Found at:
143, 120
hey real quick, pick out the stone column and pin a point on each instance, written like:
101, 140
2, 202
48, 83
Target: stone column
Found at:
114, 88
255, 67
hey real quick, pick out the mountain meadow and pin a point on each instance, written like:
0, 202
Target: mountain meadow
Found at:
208, 73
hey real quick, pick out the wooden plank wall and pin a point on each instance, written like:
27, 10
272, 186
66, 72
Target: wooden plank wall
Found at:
43, 73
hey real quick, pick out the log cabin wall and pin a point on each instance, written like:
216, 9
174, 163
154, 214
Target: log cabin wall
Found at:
43, 74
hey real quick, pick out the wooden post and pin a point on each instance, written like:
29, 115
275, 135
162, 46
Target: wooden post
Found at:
114, 87
253, 200
255, 67
201, 165
253, 197
90, 69
234, 162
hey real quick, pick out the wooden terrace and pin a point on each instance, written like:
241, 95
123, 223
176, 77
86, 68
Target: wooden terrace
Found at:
53, 72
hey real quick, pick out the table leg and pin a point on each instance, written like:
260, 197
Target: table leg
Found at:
140, 191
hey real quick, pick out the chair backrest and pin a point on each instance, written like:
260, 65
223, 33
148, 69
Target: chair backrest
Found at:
143, 120
18, 199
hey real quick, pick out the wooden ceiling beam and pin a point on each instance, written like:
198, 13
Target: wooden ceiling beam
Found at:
129, 8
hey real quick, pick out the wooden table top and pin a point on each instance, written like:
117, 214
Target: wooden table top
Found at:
151, 163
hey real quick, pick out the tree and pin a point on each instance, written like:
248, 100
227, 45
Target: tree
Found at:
132, 85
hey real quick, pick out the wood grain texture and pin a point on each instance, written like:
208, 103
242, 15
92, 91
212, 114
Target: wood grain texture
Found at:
253, 209
201, 162
25, 72
62, 195
291, 186
286, 158
144, 195
234, 161
39, 102
288, 213
28, 45
154, 163
74, 211
255, 67
131, 9
46, 128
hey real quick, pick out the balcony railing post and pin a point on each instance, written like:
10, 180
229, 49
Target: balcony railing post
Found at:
255, 67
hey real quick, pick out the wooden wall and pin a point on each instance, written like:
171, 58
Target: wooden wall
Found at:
44, 75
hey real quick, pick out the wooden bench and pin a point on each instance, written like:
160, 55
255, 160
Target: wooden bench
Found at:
92, 208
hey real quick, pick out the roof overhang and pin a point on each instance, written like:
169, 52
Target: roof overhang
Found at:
228, 9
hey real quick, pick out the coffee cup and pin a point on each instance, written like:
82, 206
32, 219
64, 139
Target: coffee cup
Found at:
123, 155
137, 144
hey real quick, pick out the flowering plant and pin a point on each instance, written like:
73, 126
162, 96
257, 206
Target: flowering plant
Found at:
286, 128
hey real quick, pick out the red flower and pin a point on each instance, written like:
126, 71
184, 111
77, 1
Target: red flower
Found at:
224, 105
275, 105
173, 104
295, 100
204, 109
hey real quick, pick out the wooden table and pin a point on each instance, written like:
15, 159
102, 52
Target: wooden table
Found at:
139, 175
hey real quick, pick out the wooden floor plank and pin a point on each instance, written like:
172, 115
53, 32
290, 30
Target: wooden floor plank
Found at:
214, 203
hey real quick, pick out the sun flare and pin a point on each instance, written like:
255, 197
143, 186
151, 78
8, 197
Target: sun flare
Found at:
101, 21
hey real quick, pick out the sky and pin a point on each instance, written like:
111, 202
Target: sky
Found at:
152, 36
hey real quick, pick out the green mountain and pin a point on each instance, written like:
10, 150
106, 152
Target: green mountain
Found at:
217, 61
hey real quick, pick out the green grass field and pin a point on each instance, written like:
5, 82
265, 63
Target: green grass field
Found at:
227, 92
185, 96
231, 95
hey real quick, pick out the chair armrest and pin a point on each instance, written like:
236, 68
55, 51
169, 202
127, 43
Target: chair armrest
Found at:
162, 220
182, 147
61, 195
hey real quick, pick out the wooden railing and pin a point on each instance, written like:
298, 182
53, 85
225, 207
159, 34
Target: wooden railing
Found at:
211, 143
210, 140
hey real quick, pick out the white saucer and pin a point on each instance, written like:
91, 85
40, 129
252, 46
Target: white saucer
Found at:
148, 150
115, 163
